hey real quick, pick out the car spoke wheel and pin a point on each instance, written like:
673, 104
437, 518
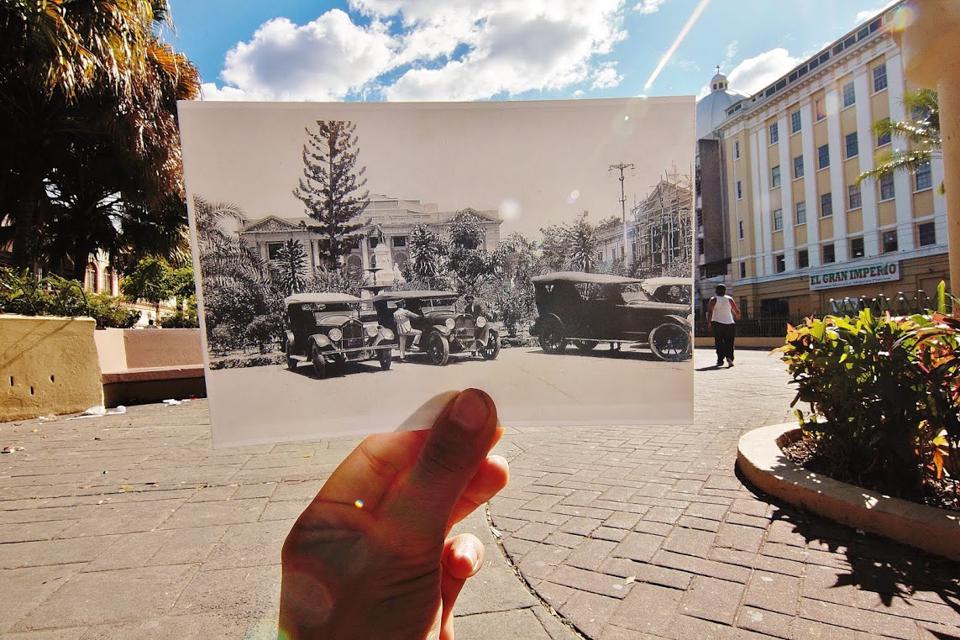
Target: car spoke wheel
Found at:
584, 345
319, 363
552, 339
670, 342
386, 359
491, 349
438, 350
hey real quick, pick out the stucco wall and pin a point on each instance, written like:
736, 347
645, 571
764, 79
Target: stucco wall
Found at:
122, 349
47, 365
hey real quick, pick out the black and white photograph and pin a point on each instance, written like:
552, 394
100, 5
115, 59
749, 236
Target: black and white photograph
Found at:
358, 259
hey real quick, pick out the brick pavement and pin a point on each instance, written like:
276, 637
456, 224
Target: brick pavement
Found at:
131, 526
647, 532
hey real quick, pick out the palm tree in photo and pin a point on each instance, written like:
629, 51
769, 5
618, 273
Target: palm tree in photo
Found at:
583, 245
922, 131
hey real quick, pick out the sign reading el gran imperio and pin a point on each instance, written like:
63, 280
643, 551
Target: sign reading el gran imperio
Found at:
861, 274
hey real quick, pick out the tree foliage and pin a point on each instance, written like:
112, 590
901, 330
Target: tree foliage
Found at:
427, 259
922, 131
290, 268
91, 91
331, 188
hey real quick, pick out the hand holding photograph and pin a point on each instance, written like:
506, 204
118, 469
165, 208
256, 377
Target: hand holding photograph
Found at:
358, 259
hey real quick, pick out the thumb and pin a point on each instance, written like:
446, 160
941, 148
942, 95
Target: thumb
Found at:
455, 448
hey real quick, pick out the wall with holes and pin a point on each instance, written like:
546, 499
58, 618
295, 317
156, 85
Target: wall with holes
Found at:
47, 365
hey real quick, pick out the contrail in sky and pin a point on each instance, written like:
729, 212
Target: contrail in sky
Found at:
692, 20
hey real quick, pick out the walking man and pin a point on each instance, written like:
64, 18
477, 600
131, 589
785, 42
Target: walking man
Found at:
402, 317
722, 314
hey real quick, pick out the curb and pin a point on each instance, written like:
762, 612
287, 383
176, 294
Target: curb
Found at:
763, 463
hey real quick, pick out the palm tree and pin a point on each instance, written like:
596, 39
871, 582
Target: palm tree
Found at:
922, 131
82, 79
583, 246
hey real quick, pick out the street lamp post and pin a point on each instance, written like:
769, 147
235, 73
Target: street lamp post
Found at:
627, 255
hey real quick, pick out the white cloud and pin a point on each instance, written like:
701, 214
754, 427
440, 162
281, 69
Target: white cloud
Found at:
863, 16
514, 46
445, 49
755, 73
606, 76
731, 53
648, 6
325, 59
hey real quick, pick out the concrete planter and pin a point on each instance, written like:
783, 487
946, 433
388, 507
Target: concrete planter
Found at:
47, 365
149, 365
763, 462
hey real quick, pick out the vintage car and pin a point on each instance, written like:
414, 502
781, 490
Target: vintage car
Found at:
446, 332
588, 309
327, 330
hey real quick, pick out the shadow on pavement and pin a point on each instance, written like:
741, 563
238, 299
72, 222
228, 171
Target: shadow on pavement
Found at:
624, 354
877, 565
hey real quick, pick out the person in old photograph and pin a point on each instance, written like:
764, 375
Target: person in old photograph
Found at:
402, 317
722, 315
472, 307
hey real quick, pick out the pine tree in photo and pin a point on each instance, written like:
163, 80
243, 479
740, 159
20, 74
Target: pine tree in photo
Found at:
332, 187
290, 268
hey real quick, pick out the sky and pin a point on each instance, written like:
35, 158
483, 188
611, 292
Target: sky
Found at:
424, 50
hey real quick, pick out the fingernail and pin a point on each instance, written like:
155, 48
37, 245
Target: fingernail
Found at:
471, 410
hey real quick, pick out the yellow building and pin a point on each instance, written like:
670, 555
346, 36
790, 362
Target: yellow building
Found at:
800, 230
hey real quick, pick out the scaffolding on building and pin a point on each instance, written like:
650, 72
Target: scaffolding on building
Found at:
663, 228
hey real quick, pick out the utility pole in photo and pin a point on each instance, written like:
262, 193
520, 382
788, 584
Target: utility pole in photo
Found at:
627, 249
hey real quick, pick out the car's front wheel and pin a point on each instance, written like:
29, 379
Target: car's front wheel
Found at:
670, 342
438, 350
491, 349
319, 362
386, 359
552, 339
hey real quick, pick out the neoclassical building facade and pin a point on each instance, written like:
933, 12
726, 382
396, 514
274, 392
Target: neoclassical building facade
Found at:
382, 246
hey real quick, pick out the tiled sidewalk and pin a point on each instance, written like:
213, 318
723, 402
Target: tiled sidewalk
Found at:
649, 533
132, 527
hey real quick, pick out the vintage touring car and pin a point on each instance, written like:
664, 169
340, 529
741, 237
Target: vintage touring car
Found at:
445, 331
328, 330
587, 309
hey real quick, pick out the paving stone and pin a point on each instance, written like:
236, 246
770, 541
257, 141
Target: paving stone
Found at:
590, 612
518, 623
773, 592
53, 552
648, 609
690, 542
24, 589
590, 554
228, 512
712, 599
110, 596
591, 581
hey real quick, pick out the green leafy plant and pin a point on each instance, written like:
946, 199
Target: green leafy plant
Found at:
23, 293
883, 397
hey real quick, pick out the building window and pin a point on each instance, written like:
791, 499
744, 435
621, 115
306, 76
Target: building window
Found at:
399, 241
775, 177
886, 187
826, 205
780, 263
91, 279
829, 256
778, 220
743, 269
801, 213
890, 241
740, 228
774, 133
923, 178
739, 190
803, 259
880, 77
856, 247
736, 149
849, 95
700, 246
883, 138
854, 200
273, 248
795, 121
852, 146
823, 157
821, 113
798, 167
927, 232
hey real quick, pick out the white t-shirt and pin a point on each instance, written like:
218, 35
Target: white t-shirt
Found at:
722, 310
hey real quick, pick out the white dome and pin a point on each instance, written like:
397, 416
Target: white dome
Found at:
712, 108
